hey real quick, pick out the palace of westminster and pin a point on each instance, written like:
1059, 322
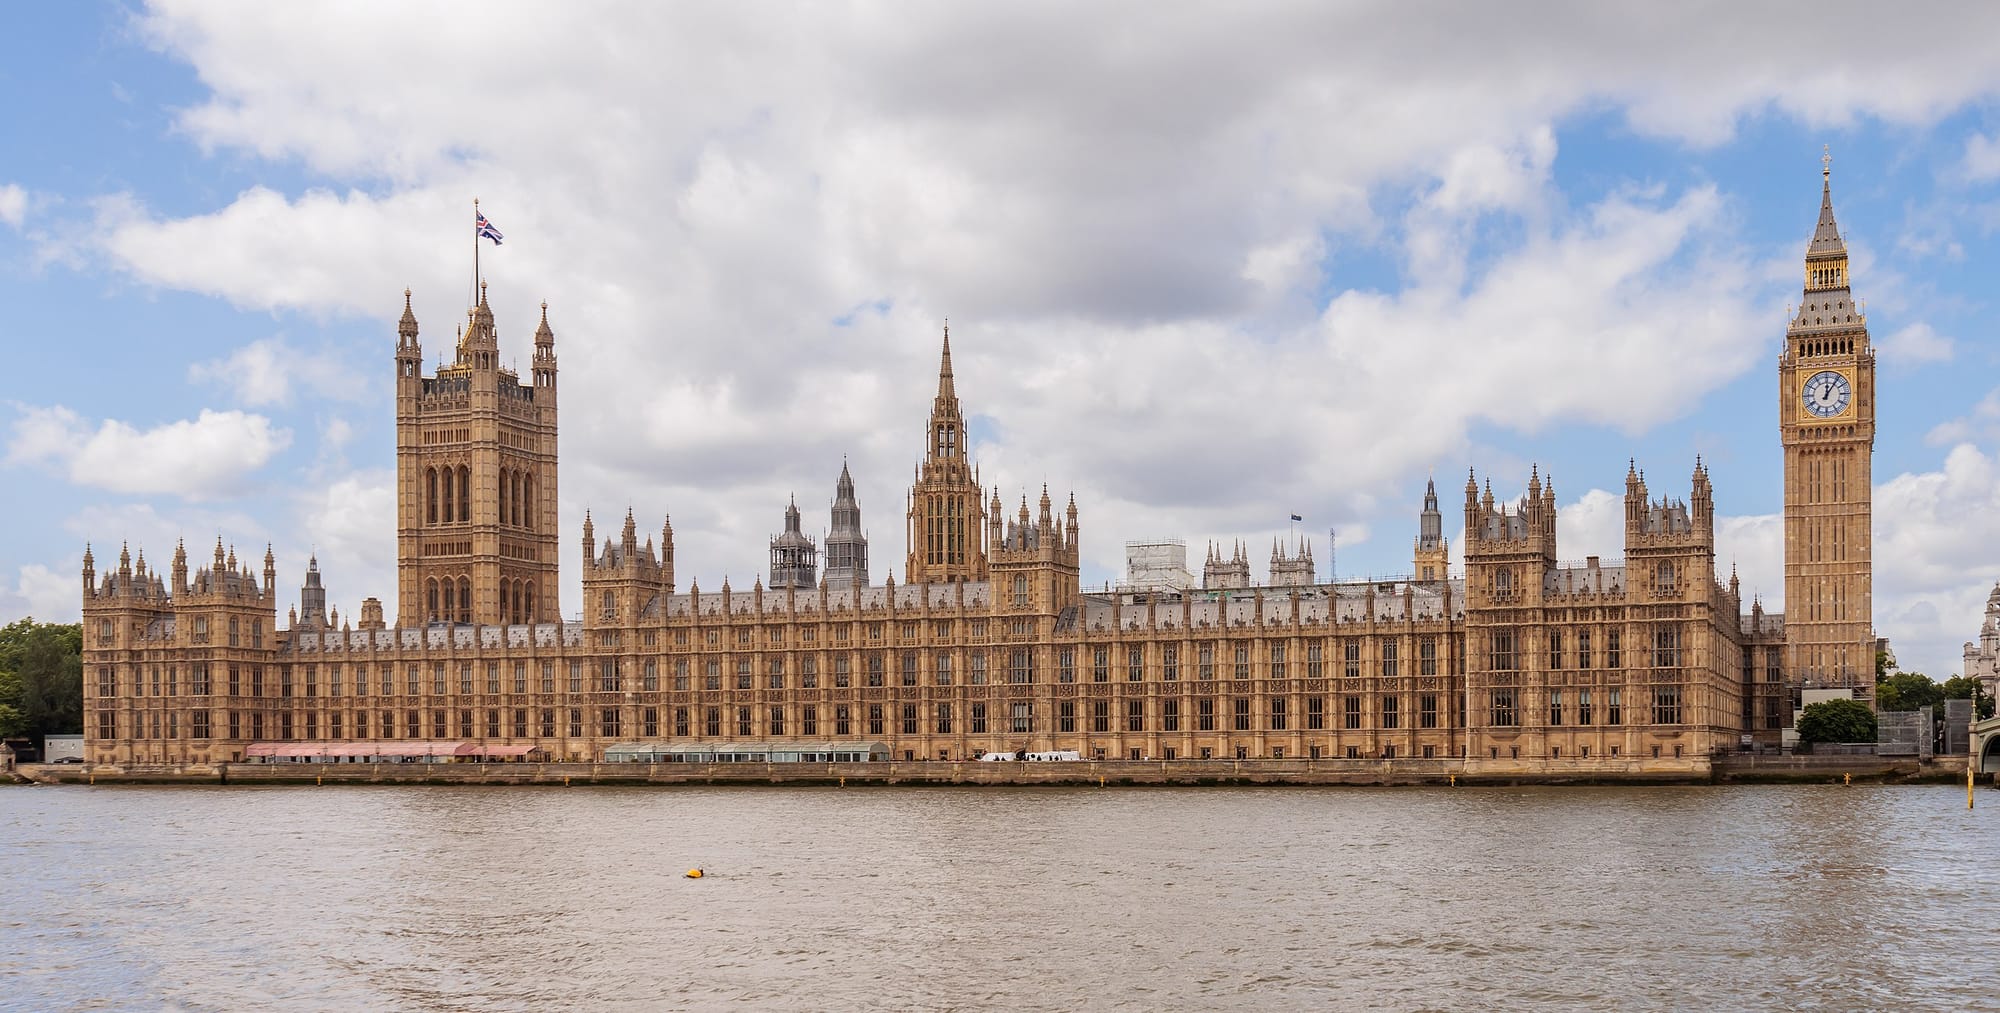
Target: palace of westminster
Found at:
989, 642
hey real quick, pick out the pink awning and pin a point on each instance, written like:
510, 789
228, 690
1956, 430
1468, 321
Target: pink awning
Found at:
334, 750
518, 750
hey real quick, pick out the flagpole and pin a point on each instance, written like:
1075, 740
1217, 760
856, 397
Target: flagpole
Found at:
475, 251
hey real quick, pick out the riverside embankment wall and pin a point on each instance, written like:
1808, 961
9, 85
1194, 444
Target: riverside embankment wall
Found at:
1087, 772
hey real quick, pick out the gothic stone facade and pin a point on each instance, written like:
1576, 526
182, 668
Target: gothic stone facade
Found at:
1526, 663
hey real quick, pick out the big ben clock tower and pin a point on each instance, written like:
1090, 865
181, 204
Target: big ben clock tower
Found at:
1826, 420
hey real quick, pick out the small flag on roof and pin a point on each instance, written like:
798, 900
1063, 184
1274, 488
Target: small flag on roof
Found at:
1296, 517
486, 230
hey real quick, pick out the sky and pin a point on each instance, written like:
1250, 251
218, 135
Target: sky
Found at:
1206, 267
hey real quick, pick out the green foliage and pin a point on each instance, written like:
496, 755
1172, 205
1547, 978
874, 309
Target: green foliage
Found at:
1960, 687
1881, 665
41, 678
1907, 691
1837, 721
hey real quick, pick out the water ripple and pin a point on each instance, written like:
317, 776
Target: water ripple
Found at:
504, 899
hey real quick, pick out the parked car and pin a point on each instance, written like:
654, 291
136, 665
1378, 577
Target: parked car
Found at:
67, 759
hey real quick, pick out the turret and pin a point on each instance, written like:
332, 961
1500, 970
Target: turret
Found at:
409, 352
667, 554
479, 343
995, 520
545, 358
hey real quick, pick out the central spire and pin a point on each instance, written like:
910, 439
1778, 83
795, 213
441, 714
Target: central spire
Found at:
945, 513
947, 391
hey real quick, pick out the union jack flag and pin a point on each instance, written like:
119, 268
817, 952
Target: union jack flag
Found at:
486, 230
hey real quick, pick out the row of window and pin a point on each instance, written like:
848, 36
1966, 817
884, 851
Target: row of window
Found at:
1503, 711
199, 630
1504, 653
607, 675
448, 496
872, 719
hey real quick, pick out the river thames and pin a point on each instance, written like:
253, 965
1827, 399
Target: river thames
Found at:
549, 898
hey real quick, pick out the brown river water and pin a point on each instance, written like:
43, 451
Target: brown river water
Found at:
461, 898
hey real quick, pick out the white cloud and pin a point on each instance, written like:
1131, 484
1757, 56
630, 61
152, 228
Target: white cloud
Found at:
1981, 423
350, 520
1982, 158
13, 204
43, 593
200, 458
1916, 343
264, 372
1131, 236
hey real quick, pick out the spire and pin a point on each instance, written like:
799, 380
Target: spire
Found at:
1826, 240
846, 545
947, 390
544, 336
1430, 523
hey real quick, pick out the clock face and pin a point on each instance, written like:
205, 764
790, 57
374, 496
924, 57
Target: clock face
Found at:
1826, 394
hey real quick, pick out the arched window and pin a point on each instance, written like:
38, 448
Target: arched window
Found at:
1503, 581
430, 496
464, 600
431, 600
450, 509
464, 493
1663, 578
528, 603
450, 602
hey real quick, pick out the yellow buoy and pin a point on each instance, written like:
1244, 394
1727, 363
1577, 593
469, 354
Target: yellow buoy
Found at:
694, 874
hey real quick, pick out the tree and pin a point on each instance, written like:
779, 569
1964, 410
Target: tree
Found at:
1907, 691
41, 678
1836, 721
1961, 687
